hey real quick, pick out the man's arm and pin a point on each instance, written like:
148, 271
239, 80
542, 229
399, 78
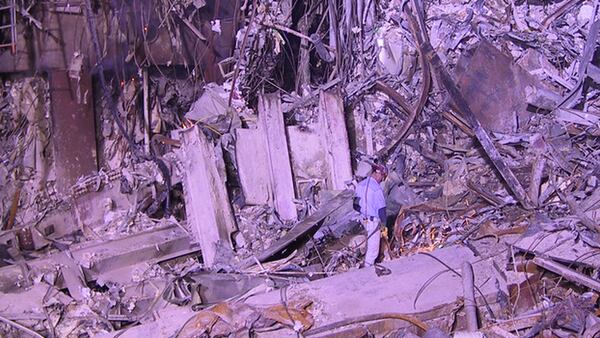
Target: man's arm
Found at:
380, 206
382, 215
356, 203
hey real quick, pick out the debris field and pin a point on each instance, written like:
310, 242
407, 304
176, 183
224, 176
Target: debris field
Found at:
187, 168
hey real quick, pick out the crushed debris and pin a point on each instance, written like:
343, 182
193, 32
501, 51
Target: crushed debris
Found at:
188, 168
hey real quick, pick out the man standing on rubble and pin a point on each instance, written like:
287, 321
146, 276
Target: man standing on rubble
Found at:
370, 202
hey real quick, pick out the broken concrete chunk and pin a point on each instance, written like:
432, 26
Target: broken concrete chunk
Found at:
391, 52
363, 169
210, 105
211, 108
401, 196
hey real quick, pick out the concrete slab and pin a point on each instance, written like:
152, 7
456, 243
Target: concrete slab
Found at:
253, 166
332, 123
562, 246
362, 292
308, 153
26, 304
270, 118
207, 204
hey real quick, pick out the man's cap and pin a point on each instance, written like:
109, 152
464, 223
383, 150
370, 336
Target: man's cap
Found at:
380, 168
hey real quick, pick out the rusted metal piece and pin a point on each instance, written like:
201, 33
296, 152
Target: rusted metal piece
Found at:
14, 206
25, 238
567, 273
368, 318
494, 87
463, 107
74, 132
162, 139
525, 295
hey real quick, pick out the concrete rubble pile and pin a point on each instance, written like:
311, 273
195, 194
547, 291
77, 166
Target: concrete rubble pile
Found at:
187, 168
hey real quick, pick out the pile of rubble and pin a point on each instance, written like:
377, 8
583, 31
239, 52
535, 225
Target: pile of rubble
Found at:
225, 209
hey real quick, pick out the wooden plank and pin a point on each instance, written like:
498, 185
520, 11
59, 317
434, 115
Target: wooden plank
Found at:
270, 120
335, 137
253, 166
302, 228
207, 204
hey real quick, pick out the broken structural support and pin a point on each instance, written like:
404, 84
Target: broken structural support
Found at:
72, 274
207, 204
567, 273
73, 128
302, 228
270, 118
483, 137
335, 136
99, 258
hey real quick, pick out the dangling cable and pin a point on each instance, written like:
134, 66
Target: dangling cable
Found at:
112, 108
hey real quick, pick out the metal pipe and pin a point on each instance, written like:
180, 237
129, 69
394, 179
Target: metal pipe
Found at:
367, 318
13, 31
469, 297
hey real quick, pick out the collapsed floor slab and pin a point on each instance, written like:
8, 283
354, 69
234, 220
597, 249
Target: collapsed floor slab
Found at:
98, 258
362, 292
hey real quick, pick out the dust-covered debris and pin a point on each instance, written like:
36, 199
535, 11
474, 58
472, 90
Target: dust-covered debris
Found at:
485, 114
